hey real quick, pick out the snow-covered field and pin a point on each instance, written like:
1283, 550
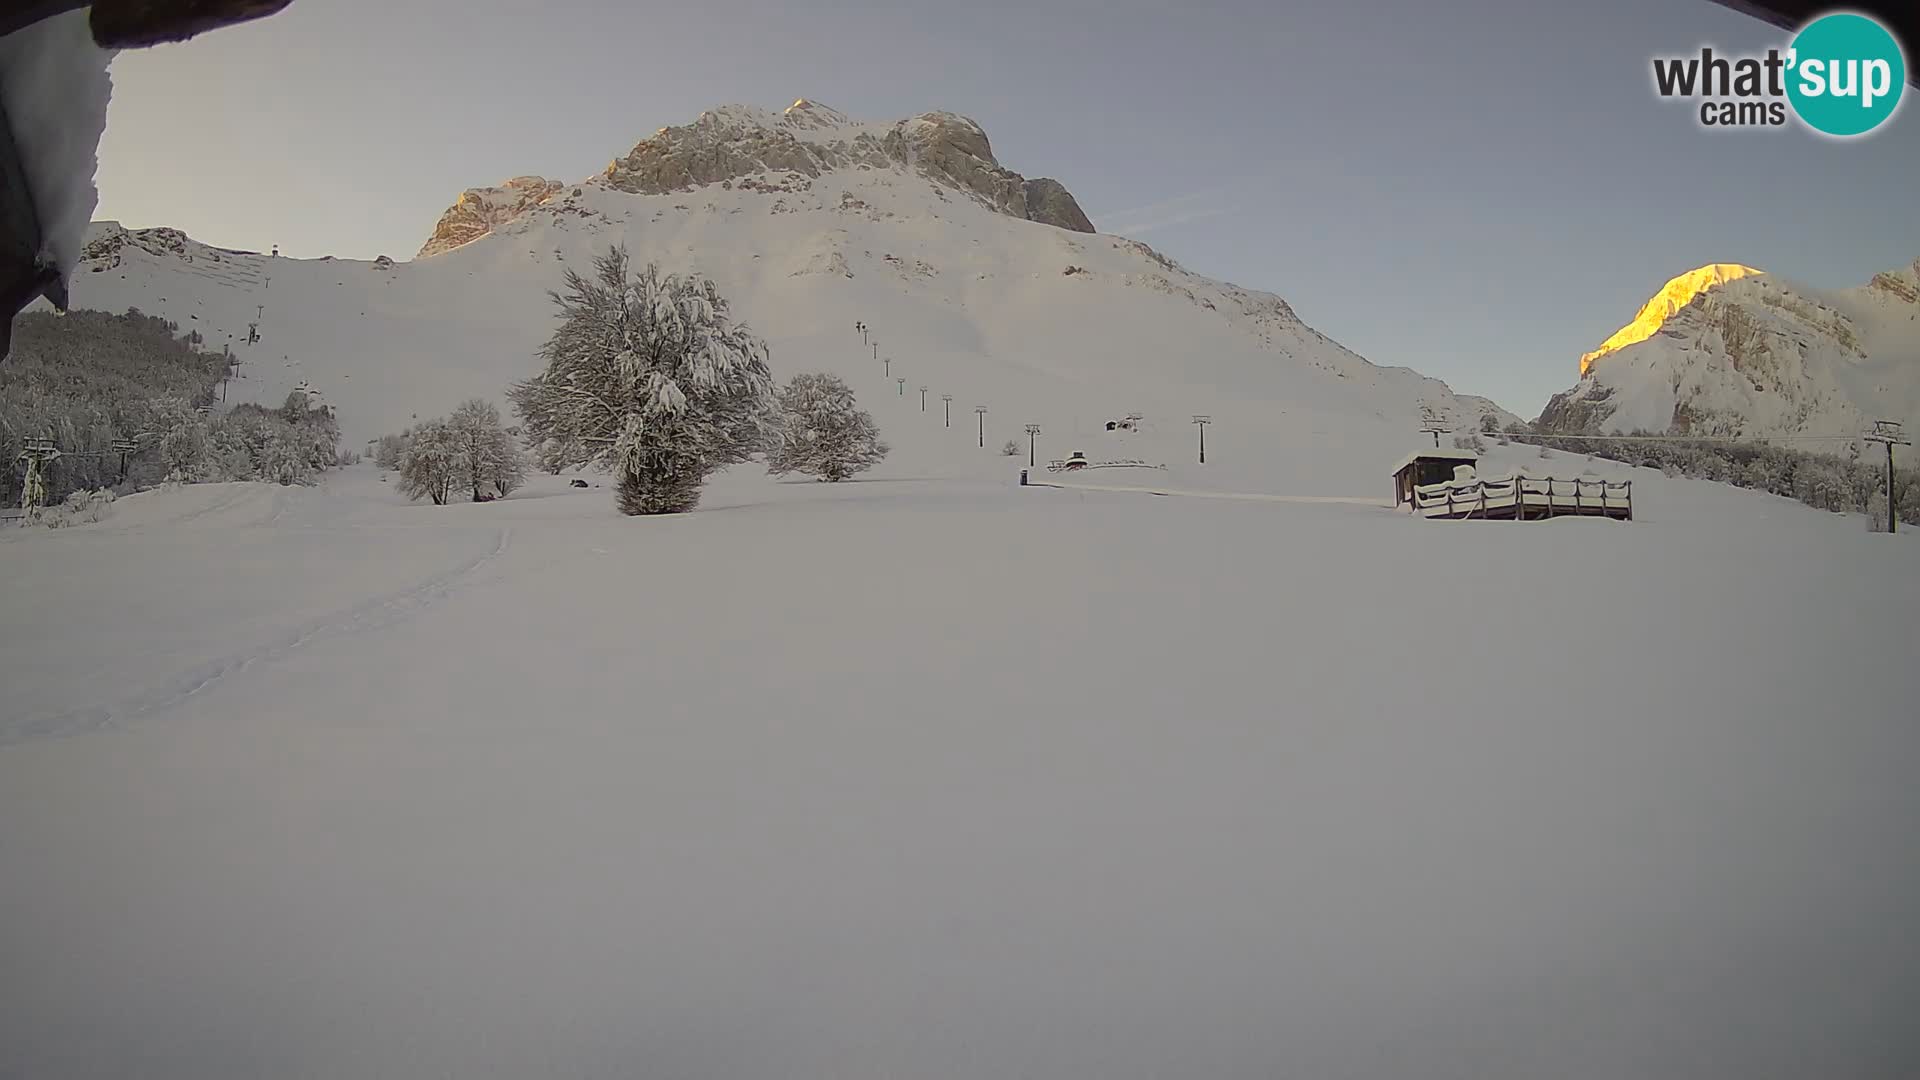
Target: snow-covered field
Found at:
928, 775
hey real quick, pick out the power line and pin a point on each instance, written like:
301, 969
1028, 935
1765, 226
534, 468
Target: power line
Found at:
1759, 440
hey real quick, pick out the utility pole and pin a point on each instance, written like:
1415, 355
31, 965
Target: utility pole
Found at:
862, 327
1888, 433
123, 447
1435, 426
923, 399
1201, 421
981, 412
948, 398
887, 368
903, 385
876, 350
1033, 430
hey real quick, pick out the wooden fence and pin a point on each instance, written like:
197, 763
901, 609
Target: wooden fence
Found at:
1525, 498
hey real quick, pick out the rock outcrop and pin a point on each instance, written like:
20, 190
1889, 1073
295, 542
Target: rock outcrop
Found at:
738, 142
479, 211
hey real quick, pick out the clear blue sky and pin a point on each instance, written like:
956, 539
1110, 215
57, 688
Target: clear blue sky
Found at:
1479, 189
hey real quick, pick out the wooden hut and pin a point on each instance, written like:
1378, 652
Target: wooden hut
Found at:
1427, 467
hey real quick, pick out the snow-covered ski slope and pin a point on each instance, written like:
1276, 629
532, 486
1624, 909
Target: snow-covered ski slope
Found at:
952, 779
964, 300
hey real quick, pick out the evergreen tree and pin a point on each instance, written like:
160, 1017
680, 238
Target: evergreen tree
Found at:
823, 433
647, 375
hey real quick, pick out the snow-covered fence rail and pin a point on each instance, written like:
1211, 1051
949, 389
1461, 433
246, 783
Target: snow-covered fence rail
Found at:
1064, 465
1524, 498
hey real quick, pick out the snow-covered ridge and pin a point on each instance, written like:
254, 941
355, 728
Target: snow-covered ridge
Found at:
742, 145
1734, 352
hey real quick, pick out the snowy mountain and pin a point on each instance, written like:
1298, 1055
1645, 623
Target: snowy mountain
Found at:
1730, 350
976, 282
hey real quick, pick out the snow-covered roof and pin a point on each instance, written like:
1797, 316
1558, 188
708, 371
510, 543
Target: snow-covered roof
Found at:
1432, 454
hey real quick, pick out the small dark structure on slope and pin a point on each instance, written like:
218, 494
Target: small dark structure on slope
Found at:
1427, 467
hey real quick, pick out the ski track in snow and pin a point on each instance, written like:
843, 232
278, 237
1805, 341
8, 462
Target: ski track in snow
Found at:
370, 615
241, 493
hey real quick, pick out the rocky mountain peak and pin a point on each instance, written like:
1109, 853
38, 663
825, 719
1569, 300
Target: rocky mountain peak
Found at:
811, 115
478, 211
1902, 285
742, 144
736, 142
1726, 350
1675, 295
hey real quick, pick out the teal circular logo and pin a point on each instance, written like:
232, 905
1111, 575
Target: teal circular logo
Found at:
1845, 74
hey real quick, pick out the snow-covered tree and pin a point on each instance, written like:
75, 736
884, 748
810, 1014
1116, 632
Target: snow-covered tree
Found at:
648, 376
432, 463
184, 448
555, 455
823, 433
488, 455
386, 452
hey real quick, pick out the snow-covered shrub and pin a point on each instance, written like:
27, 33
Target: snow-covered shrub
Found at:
822, 432
649, 376
1470, 442
78, 508
1010, 448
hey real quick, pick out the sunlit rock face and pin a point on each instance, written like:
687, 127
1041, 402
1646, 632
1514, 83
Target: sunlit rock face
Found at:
1673, 296
479, 211
739, 143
